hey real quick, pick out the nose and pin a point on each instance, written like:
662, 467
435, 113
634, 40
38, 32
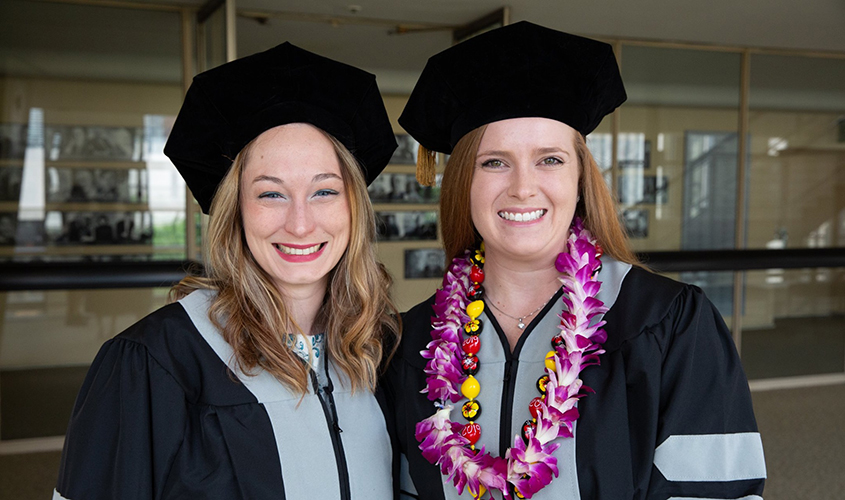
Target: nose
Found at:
299, 219
523, 182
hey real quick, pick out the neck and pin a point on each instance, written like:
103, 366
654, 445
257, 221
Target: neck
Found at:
507, 281
518, 290
303, 304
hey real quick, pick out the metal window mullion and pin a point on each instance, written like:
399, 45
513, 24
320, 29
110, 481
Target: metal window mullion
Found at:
740, 212
188, 71
614, 126
231, 36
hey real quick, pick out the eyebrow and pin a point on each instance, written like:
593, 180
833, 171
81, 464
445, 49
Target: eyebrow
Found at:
546, 150
276, 180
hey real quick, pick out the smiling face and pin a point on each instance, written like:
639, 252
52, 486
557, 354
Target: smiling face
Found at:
295, 206
525, 188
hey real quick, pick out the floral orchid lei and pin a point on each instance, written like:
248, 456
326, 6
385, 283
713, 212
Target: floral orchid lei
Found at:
530, 464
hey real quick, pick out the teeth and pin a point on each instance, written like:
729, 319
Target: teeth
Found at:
298, 251
523, 217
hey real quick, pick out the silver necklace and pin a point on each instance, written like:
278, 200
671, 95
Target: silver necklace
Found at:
519, 321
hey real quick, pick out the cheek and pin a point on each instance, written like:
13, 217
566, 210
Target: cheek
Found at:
338, 220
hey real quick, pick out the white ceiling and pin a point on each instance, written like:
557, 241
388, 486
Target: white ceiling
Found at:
40, 38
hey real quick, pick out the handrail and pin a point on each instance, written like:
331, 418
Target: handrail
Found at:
743, 260
17, 276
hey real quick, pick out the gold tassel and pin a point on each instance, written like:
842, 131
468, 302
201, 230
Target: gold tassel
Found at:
426, 166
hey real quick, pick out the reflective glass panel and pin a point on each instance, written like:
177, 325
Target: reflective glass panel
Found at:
47, 341
85, 111
677, 154
794, 322
797, 179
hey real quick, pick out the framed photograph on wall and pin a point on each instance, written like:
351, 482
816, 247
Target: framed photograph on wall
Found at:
8, 227
99, 228
406, 153
78, 142
656, 189
391, 187
102, 185
406, 226
10, 183
634, 151
635, 188
424, 263
636, 223
12, 141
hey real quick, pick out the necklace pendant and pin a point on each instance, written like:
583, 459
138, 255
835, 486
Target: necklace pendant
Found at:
521, 325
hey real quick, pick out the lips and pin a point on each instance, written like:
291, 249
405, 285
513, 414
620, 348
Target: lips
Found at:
523, 216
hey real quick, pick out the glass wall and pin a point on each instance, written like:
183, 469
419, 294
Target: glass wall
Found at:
678, 155
87, 98
47, 341
794, 321
84, 114
797, 130
677, 148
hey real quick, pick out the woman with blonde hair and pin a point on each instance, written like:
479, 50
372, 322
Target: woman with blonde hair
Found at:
260, 380
551, 365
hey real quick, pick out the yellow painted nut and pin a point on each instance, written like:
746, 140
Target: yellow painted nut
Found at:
481, 491
470, 388
550, 360
474, 309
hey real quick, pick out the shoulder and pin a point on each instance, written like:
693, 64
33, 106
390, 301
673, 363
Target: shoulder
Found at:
170, 338
648, 301
171, 328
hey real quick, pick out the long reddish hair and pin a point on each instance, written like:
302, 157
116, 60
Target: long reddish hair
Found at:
596, 207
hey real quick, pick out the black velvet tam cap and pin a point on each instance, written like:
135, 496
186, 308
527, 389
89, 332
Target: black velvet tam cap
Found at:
520, 70
228, 106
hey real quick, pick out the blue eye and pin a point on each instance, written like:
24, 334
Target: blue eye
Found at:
325, 192
270, 194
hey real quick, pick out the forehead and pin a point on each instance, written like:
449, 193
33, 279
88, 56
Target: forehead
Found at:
295, 150
527, 132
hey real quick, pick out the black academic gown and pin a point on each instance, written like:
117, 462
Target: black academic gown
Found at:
671, 417
162, 416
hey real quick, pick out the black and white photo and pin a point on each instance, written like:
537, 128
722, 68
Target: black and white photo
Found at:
390, 187
102, 185
414, 225
10, 183
656, 189
100, 228
77, 142
636, 223
406, 153
424, 263
8, 225
12, 141
634, 151
634, 188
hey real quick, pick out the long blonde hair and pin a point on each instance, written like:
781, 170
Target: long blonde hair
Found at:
361, 322
595, 208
